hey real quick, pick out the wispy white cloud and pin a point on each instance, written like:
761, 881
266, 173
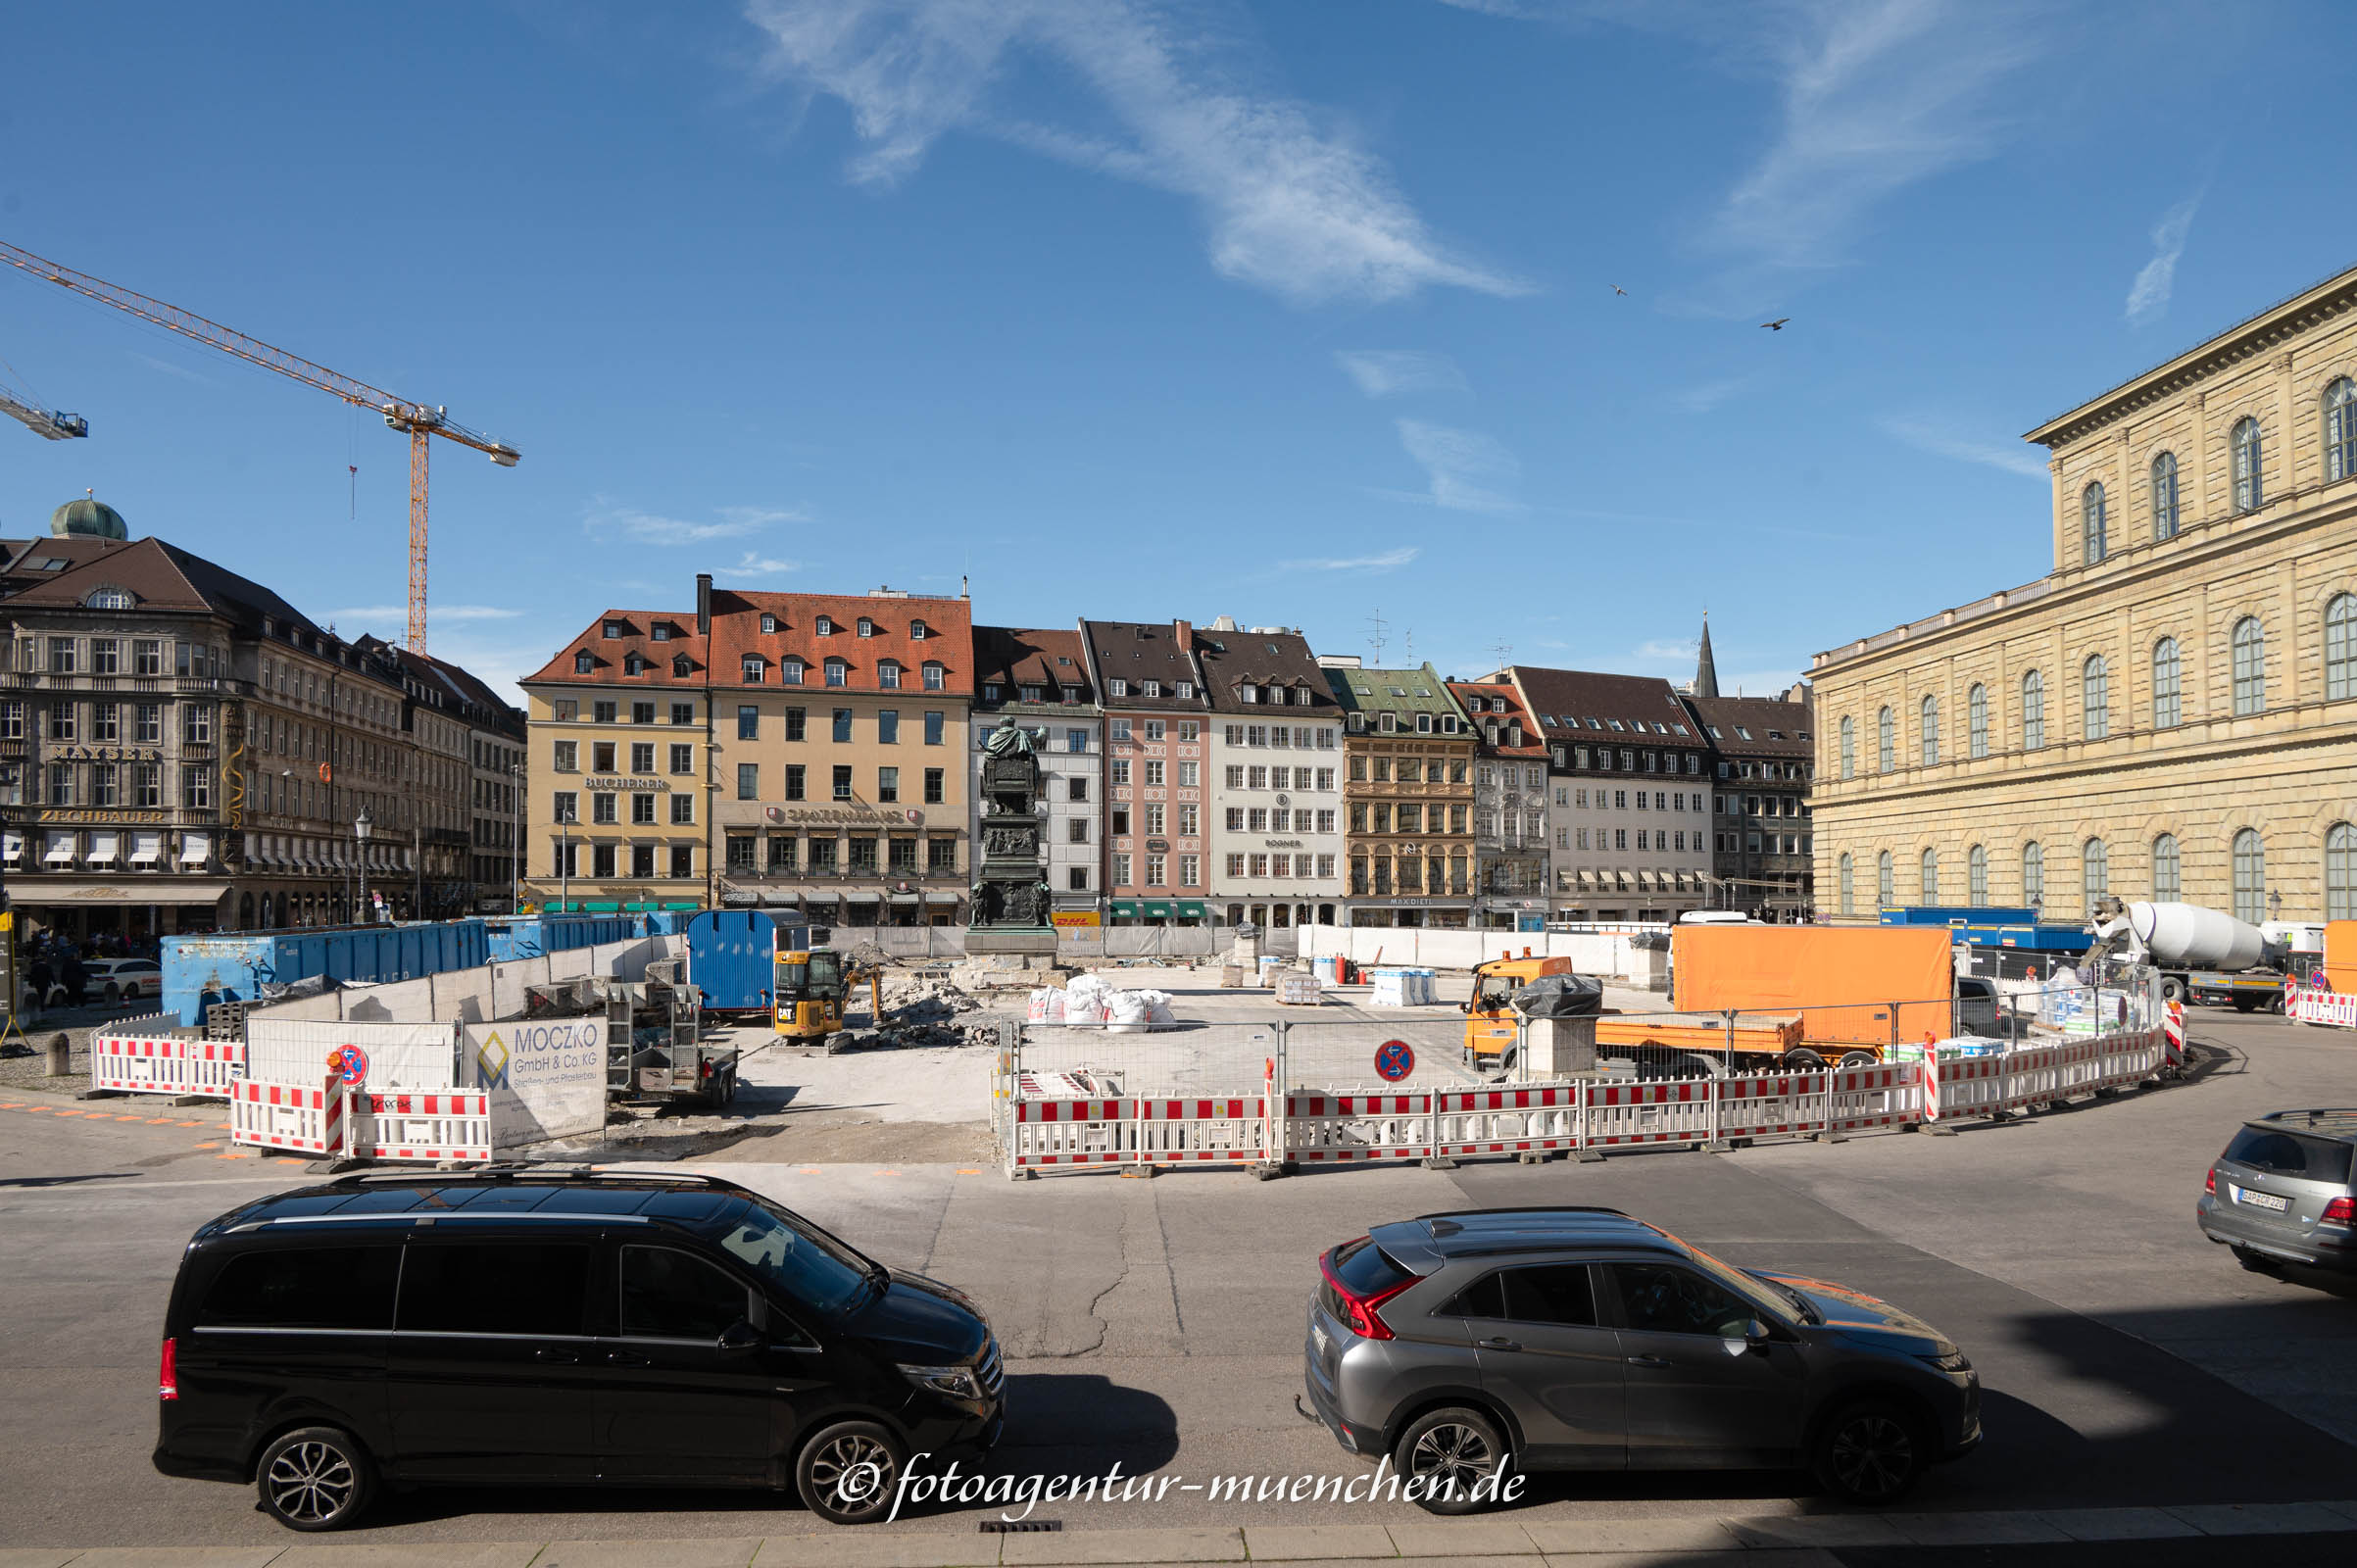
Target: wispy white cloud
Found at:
605, 519
1710, 394
1670, 648
1391, 373
757, 564
1466, 471
1292, 205
441, 615
1925, 435
2148, 295
1877, 95
1378, 563
170, 368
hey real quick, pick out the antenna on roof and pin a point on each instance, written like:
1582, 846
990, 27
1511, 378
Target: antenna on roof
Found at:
1505, 652
1376, 626
1409, 638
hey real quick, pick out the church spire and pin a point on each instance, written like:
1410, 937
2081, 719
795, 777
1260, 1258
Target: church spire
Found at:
1706, 672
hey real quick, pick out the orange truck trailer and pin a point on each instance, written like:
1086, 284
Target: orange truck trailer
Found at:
1853, 991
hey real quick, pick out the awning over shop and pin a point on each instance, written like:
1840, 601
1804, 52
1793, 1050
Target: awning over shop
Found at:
1192, 910
648, 905
12, 846
1124, 908
1157, 910
103, 842
147, 847
683, 904
865, 897
603, 906
940, 898
904, 898
65, 892
195, 848
820, 898
775, 898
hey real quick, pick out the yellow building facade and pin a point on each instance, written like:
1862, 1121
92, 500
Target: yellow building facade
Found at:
2172, 712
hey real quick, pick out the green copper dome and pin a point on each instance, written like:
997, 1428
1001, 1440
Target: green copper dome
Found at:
88, 519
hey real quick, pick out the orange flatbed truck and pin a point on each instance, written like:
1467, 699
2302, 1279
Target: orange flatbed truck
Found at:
1490, 1027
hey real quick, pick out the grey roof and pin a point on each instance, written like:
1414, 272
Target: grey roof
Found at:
1233, 660
1589, 706
1404, 692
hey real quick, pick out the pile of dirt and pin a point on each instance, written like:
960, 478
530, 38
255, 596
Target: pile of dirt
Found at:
867, 954
925, 998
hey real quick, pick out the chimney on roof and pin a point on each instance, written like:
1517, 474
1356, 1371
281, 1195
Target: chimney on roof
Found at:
703, 604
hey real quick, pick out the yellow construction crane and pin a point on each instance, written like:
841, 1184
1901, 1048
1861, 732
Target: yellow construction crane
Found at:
418, 420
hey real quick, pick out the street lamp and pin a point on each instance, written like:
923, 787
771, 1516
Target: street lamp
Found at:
516, 840
360, 830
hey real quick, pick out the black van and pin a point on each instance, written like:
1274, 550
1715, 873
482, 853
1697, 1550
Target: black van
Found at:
557, 1327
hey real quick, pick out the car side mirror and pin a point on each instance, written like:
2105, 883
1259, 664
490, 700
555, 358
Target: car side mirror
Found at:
1754, 1342
740, 1338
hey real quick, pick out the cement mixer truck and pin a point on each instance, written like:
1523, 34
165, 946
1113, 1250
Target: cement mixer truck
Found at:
2202, 955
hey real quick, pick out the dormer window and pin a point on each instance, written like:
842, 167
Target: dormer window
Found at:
887, 675
1118, 687
661, 631
1186, 691
788, 671
109, 598
1028, 694
1449, 724
611, 630
769, 625
1152, 688
1423, 723
936, 675
990, 691
826, 625
633, 664
583, 663
681, 666
1386, 723
753, 667
1301, 696
868, 628
917, 632
1250, 693
837, 672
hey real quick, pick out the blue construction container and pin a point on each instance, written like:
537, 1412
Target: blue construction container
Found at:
1957, 915
732, 956
233, 966
1994, 928
534, 936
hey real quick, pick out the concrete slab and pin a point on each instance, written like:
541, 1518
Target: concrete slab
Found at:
2117, 1523
1589, 1536
1462, 1537
1302, 1542
1124, 1546
727, 1552
1997, 1528
1832, 1530
854, 1548
178, 1556
35, 1556
2261, 1518
409, 1554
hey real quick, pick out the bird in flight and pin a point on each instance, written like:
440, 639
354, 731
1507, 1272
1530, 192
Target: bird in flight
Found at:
1617, 289
1775, 326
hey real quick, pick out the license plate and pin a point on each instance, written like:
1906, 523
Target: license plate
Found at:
2266, 1200
1317, 1337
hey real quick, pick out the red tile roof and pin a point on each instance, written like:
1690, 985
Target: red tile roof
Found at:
737, 633
1492, 695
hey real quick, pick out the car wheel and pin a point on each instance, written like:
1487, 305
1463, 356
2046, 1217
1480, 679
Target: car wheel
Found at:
849, 1473
1446, 1454
1802, 1059
2256, 1262
1869, 1452
314, 1478
2173, 989
1860, 1058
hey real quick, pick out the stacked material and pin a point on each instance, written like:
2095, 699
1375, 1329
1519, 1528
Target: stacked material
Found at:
1403, 988
1090, 1000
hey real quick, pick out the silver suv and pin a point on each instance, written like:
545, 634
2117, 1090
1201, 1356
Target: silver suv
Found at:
2281, 1192
1477, 1344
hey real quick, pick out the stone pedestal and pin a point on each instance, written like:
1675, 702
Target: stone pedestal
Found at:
1560, 1046
1011, 949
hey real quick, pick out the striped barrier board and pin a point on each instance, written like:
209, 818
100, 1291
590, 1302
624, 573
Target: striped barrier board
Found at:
434, 1124
1534, 1120
303, 1118
2313, 1005
1678, 1111
1196, 1129
165, 1065
1772, 1103
1072, 1131
1322, 1128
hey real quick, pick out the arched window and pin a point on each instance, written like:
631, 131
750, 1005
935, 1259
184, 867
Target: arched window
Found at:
2164, 496
2034, 875
1975, 709
1849, 897
1975, 876
681, 666
1885, 739
2095, 872
2091, 523
2340, 429
1931, 733
2250, 667
1930, 876
2250, 483
1885, 893
1850, 747
2341, 873
2094, 698
2034, 710
2340, 646
2167, 879
2250, 877
2164, 685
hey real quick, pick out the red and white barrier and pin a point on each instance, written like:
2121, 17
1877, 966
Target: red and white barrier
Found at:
136, 1064
2318, 1002
290, 1116
2173, 1034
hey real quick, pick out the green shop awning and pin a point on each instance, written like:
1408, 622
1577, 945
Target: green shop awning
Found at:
1126, 909
688, 904
634, 906
604, 906
1191, 910
1157, 910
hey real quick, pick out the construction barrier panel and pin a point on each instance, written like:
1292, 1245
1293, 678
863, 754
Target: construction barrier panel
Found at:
2318, 1004
126, 1061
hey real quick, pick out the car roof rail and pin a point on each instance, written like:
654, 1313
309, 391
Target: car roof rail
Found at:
508, 1169
2337, 1123
1527, 1208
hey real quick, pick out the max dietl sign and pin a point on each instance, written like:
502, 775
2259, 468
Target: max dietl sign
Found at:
848, 815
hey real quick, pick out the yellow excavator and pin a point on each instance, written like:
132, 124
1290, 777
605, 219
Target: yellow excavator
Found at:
812, 985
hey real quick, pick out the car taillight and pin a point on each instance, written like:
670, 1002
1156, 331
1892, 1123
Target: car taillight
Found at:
1360, 1309
2209, 1183
2340, 1212
167, 1371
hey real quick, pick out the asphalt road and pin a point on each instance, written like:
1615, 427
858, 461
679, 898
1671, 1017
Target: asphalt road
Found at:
1156, 1323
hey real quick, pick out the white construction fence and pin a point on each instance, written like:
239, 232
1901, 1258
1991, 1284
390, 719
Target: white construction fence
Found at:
1636, 953
1290, 1092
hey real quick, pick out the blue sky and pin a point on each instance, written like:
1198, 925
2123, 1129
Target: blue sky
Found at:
1299, 313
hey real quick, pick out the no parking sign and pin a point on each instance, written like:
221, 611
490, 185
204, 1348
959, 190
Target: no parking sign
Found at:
1394, 1060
